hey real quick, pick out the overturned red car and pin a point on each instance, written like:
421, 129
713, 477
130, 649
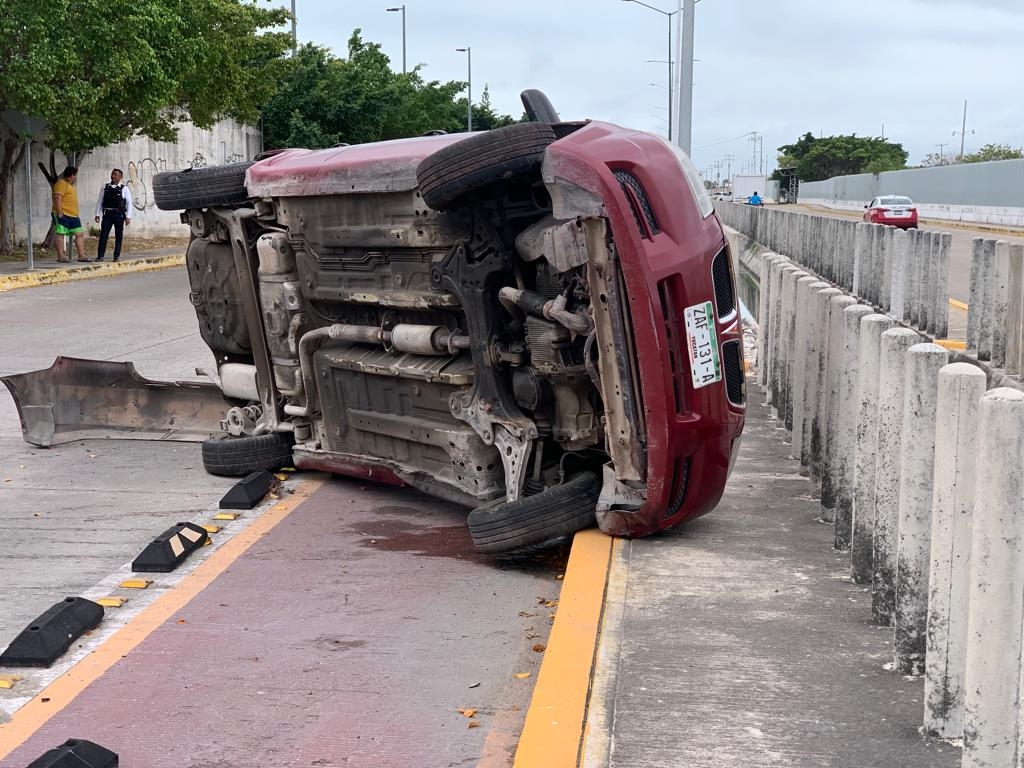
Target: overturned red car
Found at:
539, 322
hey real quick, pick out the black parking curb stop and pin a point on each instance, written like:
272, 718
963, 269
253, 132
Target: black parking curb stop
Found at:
77, 753
52, 633
169, 550
248, 492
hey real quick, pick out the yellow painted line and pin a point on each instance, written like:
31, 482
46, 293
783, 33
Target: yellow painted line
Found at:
553, 732
951, 344
958, 304
62, 691
87, 272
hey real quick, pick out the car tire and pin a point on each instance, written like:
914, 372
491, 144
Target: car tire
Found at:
551, 514
201, 187
504, 154
230, 456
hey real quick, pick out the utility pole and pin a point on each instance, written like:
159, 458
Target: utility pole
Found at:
940, 145
728, 161
295, 37
963, 132
687, 19
758, 141
469, 85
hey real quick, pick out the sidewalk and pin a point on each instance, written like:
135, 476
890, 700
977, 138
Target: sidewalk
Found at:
47, 270
739, 640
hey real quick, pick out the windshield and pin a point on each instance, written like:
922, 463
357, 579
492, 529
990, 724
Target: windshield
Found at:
894, 201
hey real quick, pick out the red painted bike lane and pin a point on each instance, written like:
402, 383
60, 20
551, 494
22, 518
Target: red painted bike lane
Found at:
350, 634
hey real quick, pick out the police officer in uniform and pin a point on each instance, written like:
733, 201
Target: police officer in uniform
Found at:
113, 209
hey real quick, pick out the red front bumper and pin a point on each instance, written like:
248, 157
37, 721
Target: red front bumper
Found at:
667, 251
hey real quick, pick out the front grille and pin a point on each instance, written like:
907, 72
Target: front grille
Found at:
680, 483
631, 184
721, 273
732, 365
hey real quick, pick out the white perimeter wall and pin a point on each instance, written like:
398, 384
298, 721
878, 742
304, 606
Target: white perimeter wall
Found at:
140, 159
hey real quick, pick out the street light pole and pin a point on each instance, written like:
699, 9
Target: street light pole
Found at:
295, 37
402, 9
668, 15
469, 86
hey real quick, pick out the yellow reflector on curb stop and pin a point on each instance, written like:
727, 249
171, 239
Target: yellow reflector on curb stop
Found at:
8, 681
226, 516
112, 601
210, 528
136, 583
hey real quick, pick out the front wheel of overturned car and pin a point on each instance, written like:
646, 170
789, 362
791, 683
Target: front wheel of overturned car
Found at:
201, 187
551, 514
504, 154
231, 456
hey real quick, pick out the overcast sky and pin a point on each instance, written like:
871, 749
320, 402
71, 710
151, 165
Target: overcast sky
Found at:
778, 67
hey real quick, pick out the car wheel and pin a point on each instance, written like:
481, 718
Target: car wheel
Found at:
504, 154
231, 456
201, 187
551, 514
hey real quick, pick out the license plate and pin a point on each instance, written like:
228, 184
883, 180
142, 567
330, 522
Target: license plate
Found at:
702, 345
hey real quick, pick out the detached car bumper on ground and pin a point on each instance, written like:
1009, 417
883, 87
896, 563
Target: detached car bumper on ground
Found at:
538, 322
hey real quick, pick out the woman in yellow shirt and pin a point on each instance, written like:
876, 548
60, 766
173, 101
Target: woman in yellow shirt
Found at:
65, 214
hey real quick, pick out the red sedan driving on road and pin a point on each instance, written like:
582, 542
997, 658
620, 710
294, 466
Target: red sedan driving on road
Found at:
894, 210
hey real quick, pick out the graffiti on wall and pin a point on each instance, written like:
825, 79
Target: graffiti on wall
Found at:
141, 172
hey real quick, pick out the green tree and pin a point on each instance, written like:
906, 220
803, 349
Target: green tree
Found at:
993, 152
822, 158
101, 71
323, 100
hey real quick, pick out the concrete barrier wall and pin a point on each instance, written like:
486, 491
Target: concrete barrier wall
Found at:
903, 449
985, 193
140, 159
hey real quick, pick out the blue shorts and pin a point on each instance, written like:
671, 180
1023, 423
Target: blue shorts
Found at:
67, 225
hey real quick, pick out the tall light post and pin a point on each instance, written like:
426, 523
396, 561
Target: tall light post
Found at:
963, 132
402, 9
295, 37
668, 15
469, 85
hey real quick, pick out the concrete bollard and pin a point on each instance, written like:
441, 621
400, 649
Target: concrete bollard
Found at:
877, 264
1015, 316
892, 365
847, 418
986, 278
834, 405
762, 319
961, 386
917, 476
858, 257
1000, 302
940, 312
819, 417
871, 329
897, 285
812, 361
995, 612
774, 312
801, 355
921, 279
974, 294
787, 331
885, 288
913, 276
930, 254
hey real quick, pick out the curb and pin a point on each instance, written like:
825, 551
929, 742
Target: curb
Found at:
87, 272
553, 733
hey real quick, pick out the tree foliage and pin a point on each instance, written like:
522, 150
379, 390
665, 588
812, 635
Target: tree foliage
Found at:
323, 100
822, 158
101, 71
993, 152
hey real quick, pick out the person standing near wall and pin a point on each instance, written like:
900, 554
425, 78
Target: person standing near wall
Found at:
65, 214
113, 208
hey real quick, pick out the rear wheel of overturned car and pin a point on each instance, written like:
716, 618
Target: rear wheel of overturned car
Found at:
232, 456
559, 511
201, 187
504, 154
